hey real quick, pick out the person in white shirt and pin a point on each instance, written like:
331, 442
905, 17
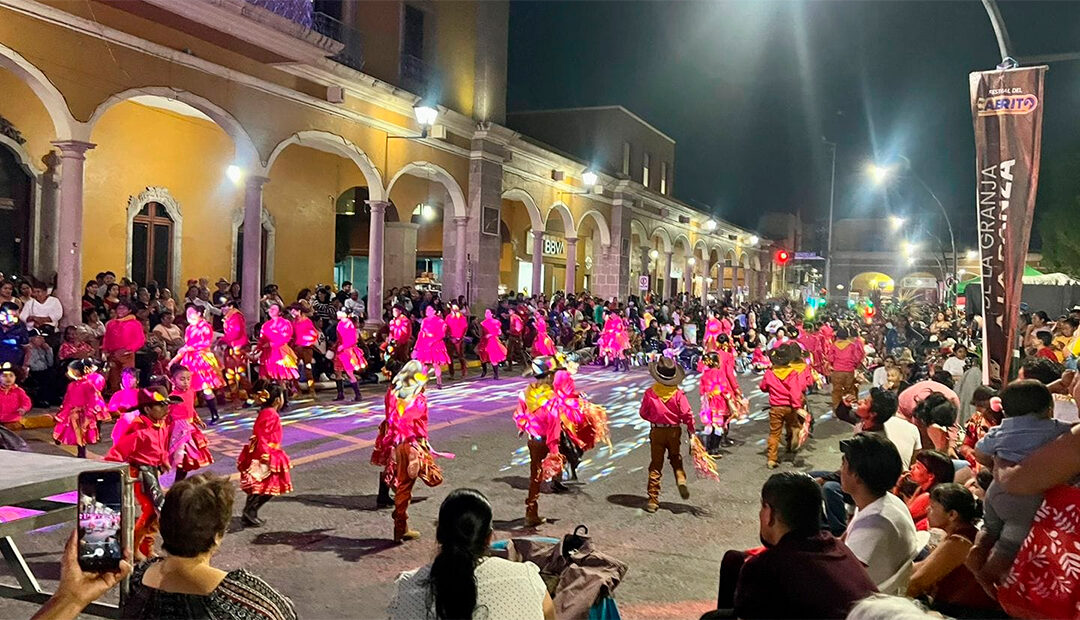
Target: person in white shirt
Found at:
462, 582
956, 362
42, 310
905, 436
881, 373
882, 532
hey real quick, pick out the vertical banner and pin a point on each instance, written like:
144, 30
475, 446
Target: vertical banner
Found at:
1006, 107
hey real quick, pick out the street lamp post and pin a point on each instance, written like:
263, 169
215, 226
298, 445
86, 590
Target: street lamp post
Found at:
828, 241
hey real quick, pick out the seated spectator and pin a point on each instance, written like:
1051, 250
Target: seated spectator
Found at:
930, 469
1027, 426
935, 418
881, 533
183, 584
1043, 370
820, 576
75, 346
462, 582
42, 311
887, 607
957, 362
92, 322
1044, 349
41, 371
942, 577
169, 333
918, 392
987, 415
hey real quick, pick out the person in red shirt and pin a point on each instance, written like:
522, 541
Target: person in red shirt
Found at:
457, 323
124, 335
785, 385
263, 465
1045, 350
665, 407
145, 447
843, 357
14, 403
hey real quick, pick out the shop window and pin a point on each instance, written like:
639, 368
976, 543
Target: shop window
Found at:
645, 170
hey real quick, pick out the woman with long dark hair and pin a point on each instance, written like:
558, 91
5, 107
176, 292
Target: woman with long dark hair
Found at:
462, 582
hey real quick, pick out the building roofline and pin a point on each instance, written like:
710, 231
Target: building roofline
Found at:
599, 108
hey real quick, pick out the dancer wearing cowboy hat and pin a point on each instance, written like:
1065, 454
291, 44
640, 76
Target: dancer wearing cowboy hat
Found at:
667, 409
402, 446
263, 465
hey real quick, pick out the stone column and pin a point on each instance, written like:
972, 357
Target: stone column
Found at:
571, 265
667, 292
70, 229
375, 263
483, 243
251, 287
643, 256
537, 261
399, 264
44, 230
688, 277
460, 241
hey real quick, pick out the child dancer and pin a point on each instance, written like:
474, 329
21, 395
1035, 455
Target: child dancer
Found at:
263, 465
785, 386
713, 329
666, 408
188, 449
457, 324
431, 344
124, 336
759, 360
719, 398
491, 349
348, 358
278, 361
197, 357
407, 419
542, 344
614, 341
237, 346
305, 337
537, 417
14, 403
145, 447
124, 403
83, 407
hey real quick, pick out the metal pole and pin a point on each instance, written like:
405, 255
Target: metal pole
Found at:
828, 242
1000, 32
948, 222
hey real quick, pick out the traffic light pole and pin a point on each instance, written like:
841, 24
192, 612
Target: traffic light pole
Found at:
828, 242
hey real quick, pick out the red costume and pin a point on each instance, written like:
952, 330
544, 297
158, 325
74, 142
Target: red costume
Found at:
491, 350
123, 337
77, 419
196, 355
235, 339
263, 465
457, 324
188, 448
14, 403
279, 360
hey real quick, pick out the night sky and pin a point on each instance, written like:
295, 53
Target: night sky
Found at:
748, 90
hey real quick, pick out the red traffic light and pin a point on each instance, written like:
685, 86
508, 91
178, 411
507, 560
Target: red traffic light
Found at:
782, 257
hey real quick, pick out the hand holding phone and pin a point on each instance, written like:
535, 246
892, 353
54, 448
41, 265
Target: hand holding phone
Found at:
100, 529
79, 588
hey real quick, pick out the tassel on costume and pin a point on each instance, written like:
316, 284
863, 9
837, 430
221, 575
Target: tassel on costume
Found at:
704, 464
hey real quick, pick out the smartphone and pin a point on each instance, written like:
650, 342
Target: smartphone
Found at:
100, 520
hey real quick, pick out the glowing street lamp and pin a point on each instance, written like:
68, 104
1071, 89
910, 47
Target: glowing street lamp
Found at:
878, 174
710, 225
690, 261
653, 254
425, 117
589, 178
896, 222
235, 174
754, 240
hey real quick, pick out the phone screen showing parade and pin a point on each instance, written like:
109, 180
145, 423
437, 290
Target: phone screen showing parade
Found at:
100, 506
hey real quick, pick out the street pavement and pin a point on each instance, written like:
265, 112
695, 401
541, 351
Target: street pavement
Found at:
329, 549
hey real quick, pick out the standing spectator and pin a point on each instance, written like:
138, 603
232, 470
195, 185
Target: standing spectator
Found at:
13, 337
90, 299
234, 292
221, 295
802, 572
105, 280
7, 294
112, 297
957, 362
881, 534
43, 311
124, 335
902, 336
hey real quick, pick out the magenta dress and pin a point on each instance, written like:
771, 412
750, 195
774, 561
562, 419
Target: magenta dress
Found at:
543, 344
713, 329
77, 420
430, 345
197, 357
280, 361
491, 349
348, 356
613, 341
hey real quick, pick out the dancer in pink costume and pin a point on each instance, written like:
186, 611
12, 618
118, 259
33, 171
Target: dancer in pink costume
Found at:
125, 402
726, 324
614, 341
197, 357
77, 420
491, 350
400, 334
279, 361
542, 344
188, 448
713, 329
348, 358
720, 397
236, 350
457, 324
305, 337
431, 343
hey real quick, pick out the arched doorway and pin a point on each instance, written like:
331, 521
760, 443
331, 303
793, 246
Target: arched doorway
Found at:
16, 205
519, 216
872, 284
594, 238
352, 236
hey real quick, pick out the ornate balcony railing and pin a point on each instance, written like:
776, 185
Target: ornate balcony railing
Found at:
299, 11
302, 12
415, 73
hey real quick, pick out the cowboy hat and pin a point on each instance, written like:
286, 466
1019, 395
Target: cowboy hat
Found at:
410, 380
905, 357
153, 396
666, 372
543, 365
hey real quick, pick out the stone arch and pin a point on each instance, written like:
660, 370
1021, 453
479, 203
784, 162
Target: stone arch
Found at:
682, 241
267, 222
704, 250
246, 155
438, 174
64, 124
869, 281
163, 197
519, 195
601, 225
662, 233
569, 229
336, 145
